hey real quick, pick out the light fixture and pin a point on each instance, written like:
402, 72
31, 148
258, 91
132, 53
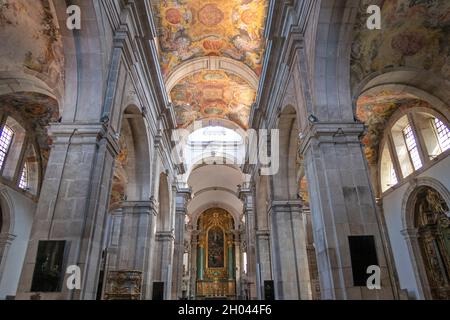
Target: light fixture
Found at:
312, 118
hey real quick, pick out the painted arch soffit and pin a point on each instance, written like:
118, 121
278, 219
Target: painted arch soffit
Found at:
212, 94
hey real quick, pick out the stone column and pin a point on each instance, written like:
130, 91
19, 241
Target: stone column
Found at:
163, 260
182, 199
289, 256
200, 262
342, 205
194, 259
73, 204
263, 258
311, 253
132, 230
246, 194
235, 266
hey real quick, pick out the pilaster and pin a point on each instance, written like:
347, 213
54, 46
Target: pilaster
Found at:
342, 205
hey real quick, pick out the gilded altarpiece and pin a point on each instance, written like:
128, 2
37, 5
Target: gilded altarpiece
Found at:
216, 255
433, 223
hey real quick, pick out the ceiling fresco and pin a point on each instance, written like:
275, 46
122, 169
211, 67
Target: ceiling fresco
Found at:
38, 111
33, 38
375, 110
197, 28
212, 94
414, 34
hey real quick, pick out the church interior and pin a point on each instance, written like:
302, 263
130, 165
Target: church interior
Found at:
224, 150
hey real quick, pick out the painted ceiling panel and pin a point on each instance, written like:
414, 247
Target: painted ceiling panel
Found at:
196, 28
212, 94
375, 110
414, 34
190, 29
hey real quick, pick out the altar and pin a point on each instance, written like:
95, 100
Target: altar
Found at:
215, 256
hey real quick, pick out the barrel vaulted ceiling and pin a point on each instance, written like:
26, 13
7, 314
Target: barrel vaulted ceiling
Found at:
211, 54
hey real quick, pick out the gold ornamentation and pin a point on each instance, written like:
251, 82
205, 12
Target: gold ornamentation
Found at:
124, 285
215, 282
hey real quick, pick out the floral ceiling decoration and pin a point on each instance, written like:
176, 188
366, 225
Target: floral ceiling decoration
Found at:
375, 110
33, 38
414, 34
212, 94
196, 28
190, 29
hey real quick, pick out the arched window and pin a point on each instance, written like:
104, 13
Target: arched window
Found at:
414, 140
19, 160
23, 182
443, 135
411, 145
388, 176
5, 142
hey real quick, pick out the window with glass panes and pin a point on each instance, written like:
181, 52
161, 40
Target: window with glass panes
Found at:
411, 144
23, 182
443, 134
6, 137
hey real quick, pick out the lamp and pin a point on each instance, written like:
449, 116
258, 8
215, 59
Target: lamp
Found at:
312, 118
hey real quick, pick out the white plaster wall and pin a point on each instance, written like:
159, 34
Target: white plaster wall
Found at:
392, 206
23, 209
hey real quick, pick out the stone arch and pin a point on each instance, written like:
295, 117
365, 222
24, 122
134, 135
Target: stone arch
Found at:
407, 215
333, 39
409, 82
195, 216
424, 107
410, 232
131, 179
284, 182
382, 101
211, 63
84, 56
7, 213
217, 122
7, 224
140, 188
224, 197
